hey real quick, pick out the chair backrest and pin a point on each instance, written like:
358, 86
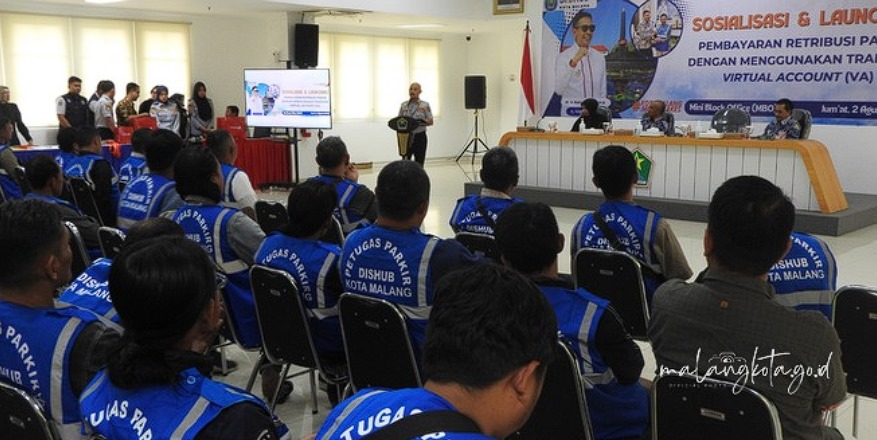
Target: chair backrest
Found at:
805, 120
480, 244
731, 120
376, 343
81, 259
83, 197
111, 240
855, 320
21, 179
335, 234
139, 123
617, 277
271, 216
22, 417
689, 408
286, 336
561, 409
605, 112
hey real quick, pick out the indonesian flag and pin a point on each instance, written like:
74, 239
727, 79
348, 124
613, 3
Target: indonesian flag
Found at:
528, 100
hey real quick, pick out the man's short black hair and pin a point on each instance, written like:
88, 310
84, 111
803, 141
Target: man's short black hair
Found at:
73, 79
580, 15
29, 230
309, 206
499, 168
130, 87
40, 170
486, 322
402, 187
526, 234
105, 86
194, 170
220, 143
787, 103
614, 170
750, 220
140, 139
85, 136
162, 149
152, 228
331, 152
67, 138
234, 110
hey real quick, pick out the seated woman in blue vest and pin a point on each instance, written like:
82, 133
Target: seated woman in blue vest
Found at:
150, 194
609, 360
313, 264
158, 385
478, 214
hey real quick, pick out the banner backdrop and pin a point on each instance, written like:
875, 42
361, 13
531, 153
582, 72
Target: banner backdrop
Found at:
700, 56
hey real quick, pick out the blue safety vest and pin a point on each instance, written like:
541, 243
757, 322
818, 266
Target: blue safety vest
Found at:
616, 411
394, 266
346, 189
467, 216
35, 355
142, 199
131, 168
80, 168
228, 174
64, 158
208, 226
634, 226
90, 290
309, 263
372, 409
806, 278
10, 188
50, 199
175, 411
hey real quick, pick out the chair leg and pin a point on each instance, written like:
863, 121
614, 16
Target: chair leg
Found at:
281, 379
314, 391
252, 379
855, 416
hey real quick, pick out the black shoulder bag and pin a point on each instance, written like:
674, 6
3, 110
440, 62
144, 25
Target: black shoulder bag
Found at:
645, 269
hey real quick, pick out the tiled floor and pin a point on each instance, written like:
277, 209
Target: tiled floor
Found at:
855, 253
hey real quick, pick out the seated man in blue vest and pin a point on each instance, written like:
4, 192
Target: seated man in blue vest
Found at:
727, 325
157, 385
229, 237
150, 194
90, 289
237, 189
609, 360
47, 184
49, 350
356, 203
499, 172
656, 118
639, 231
806, 278
491, 337
392, 259
66, 145
91, 166
783, 126
135, 164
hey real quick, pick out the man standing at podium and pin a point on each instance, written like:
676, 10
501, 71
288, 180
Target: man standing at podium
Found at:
418, 109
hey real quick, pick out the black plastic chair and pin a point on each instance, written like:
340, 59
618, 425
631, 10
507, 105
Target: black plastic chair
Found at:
283, 323
855, 320
731, 120
376, 343
480, 244
21, 179
111, 240
335, 234
616, 276
689, 408
81, 259
562, 409
271, 216
805, 120
22, 417
83, 197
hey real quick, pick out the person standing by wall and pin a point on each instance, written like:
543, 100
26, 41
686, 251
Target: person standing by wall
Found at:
10, 110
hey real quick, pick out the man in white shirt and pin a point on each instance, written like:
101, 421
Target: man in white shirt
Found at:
580, 71
103, 110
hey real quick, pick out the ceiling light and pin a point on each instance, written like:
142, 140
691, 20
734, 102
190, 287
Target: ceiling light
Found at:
420, 26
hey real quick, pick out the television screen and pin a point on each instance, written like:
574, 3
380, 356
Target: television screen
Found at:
297, 98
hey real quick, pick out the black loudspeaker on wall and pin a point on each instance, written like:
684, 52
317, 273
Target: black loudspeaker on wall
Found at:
476, 91
306, 45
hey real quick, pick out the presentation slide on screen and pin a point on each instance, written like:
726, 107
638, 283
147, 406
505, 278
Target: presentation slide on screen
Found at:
700, 56
288, 98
